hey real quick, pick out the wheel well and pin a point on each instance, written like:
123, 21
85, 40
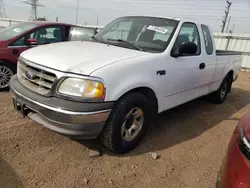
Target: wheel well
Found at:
147, 92
231, 74
9, 64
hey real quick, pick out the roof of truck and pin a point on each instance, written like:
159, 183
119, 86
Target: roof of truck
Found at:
161, 17
173, 18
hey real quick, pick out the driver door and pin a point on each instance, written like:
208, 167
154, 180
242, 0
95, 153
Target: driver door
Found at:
182, 81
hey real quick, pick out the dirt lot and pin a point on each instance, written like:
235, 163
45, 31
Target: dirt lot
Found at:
191, 141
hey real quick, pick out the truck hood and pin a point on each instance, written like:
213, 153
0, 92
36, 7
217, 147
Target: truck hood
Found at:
79, 57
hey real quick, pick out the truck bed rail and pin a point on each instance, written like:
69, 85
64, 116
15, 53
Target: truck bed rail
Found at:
225, 52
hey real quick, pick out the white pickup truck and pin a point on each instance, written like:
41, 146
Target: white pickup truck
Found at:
113, 86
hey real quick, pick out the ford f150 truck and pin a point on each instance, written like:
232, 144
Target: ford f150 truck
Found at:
113, 86
20, 37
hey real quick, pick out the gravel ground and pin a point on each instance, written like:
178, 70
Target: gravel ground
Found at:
190, 140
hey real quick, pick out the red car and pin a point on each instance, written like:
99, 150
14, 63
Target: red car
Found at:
235, 171
18, 38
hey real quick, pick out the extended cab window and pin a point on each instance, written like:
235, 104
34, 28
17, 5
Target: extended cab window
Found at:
207, 39
188, 33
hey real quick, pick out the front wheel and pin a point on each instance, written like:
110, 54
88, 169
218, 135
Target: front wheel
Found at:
127, 123
6, 72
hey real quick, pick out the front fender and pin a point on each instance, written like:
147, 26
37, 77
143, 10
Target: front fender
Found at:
125, 76
128, 85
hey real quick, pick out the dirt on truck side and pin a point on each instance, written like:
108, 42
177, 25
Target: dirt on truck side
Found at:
190, 142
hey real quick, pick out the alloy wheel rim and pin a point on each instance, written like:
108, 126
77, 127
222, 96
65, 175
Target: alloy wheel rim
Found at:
223, 90
132, 124
5, 76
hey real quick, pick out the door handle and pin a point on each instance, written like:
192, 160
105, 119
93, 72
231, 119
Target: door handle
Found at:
202, 66
161, 72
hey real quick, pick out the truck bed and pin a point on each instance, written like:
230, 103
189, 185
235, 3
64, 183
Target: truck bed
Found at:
230, 60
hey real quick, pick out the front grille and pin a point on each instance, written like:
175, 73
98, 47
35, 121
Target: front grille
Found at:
35, 79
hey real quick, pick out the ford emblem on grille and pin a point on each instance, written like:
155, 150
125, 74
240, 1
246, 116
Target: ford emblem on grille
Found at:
29, 75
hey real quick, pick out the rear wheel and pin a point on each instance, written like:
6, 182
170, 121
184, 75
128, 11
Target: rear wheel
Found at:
6, 72
127, 123
219, 96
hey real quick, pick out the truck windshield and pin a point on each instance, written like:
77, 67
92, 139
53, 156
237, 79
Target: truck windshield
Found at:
139, 33
15, 30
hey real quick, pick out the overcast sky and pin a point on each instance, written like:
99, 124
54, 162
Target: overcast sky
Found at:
205, 11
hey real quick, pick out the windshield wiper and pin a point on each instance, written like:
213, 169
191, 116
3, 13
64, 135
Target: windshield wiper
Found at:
126, 42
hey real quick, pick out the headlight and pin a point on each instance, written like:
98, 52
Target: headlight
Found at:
244, 144
83, 88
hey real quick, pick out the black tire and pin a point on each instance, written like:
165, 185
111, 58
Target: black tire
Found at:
219, 96
111, 135
4, 67
230, 79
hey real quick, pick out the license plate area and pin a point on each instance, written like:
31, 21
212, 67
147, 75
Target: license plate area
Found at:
20, 107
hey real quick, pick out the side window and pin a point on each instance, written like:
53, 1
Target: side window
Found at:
43, 35
47, 35
32, 35
188, 33
19, 42
207, 39
67, 33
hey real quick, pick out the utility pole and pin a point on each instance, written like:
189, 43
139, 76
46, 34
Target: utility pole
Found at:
34, 4
97, 19
228, 24
77, 11
2, 10
224, 21
233, 28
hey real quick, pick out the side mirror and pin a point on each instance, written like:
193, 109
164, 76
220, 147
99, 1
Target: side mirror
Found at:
189, 48
32, 42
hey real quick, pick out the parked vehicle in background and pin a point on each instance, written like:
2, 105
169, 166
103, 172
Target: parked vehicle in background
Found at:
235, 171
113, 86
82, 33
20, 37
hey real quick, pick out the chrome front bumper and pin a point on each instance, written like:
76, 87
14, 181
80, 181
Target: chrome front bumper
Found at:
86, 125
